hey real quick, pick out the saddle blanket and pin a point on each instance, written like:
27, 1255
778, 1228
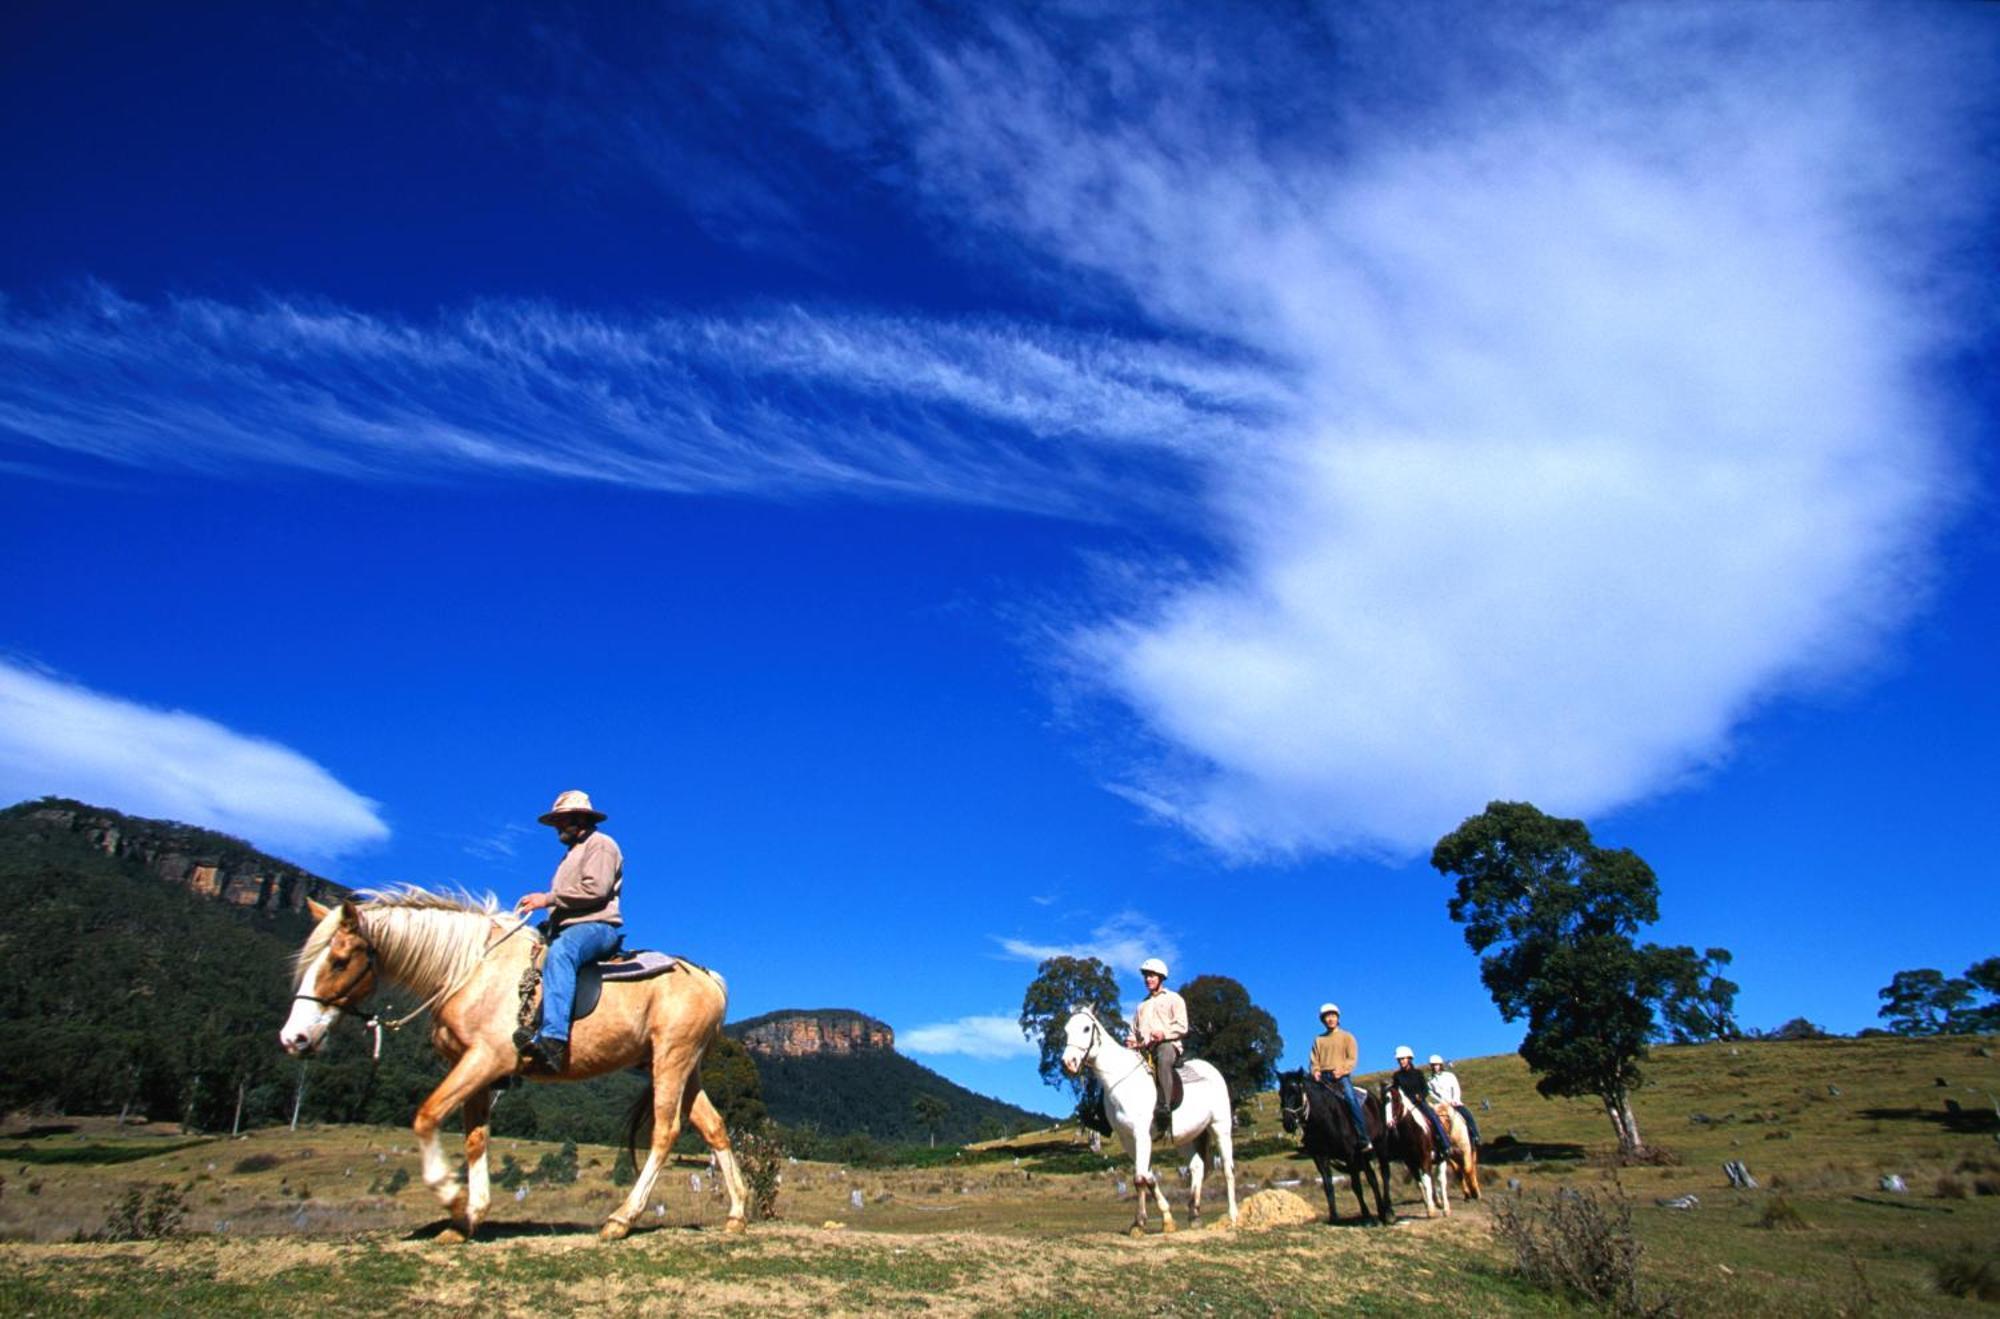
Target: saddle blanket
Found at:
641, 965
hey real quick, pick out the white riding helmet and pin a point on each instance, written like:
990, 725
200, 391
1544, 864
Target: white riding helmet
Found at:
1153, 966
1325, 1008
1438, 1059
1405, 1051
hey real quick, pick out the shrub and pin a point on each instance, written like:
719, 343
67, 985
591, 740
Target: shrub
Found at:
139, 1216
761, 1155
511, 1173
624, 1171
1781, 1215
1971, 1277
390, 1184
557, 1168
1581, 1246
257, 1163
1950, 1188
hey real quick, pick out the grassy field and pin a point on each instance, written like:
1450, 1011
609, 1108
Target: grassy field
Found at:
278, 1221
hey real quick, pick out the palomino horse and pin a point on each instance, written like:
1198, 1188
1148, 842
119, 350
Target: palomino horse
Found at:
1319, 1114
1200, 1124
460, 955
1406, 1137
1462, 1156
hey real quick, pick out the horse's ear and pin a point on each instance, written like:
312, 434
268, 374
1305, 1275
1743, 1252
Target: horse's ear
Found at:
318, 912
350, 915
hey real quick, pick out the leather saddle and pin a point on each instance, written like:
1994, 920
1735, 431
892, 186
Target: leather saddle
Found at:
642, 964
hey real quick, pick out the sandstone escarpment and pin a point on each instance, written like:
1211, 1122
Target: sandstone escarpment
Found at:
210, 864
804, 1034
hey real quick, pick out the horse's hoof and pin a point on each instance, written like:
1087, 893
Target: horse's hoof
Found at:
734, 1225
1135, 1231
614, 1231
451, 1236
1169, 1226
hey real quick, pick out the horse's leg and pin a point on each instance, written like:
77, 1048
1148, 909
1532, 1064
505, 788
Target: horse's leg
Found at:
699, 1112
671, 1066
1142, 1160
478, 1190
1225, 1144
473, 1073
1196, 1170
1471, 1170
1325, 1166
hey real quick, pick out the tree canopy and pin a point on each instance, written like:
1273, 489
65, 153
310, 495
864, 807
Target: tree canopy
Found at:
1237, 1036
1927, 1002
1554, 917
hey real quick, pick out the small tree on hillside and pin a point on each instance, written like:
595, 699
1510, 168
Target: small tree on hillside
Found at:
1554, 916
931, 1113
730, 1079
1237, 1036
1926, 1002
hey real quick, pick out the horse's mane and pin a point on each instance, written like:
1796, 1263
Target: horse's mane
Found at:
418, 933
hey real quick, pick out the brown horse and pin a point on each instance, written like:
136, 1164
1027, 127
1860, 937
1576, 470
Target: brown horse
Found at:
1406, 1138
462, 957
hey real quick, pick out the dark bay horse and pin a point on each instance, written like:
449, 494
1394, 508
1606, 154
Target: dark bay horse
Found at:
1320, 1116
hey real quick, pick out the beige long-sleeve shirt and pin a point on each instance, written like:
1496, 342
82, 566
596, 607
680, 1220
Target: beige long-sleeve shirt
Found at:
1163, 1014
587, 882
1335, 1051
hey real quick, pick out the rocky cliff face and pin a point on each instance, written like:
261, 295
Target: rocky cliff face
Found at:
213, 865
810, 1034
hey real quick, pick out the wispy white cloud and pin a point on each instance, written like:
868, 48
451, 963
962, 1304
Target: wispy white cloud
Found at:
1553, 390
1617, 338
1121, 942
786, 403
975, 1037
58, 738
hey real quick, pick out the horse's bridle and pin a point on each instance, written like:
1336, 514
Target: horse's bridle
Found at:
1300, 1113
346, 1000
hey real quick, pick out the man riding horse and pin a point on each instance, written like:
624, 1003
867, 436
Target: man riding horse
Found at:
583, 924
1158, 1028
1334, 1055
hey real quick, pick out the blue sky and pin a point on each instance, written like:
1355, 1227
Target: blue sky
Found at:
961, 489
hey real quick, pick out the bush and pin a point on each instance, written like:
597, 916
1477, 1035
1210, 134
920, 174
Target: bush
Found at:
761, 1155
138, 1216
1781, 1215
557, 1168
258, 1163
1971, 1277
511, 1174
1581, 1246
624, 1171
1950, 1188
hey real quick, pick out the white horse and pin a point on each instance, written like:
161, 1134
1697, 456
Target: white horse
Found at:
1201, 1123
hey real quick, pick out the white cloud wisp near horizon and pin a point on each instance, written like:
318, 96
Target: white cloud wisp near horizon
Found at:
1122, 942
1556, 390
987, 1037
58, 738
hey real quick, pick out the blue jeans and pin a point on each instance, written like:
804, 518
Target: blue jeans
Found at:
1345, 1085
571, 948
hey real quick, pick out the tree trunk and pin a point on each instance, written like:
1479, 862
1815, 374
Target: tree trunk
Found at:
236, 1123
1618, 1107
298, 1096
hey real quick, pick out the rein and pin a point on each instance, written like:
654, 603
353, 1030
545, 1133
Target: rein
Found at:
373, 1021
1097, 1038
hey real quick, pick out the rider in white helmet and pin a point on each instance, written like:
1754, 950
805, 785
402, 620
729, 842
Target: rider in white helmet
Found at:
1334, 1055
1445, 1089
1416, 1091
1158, 1027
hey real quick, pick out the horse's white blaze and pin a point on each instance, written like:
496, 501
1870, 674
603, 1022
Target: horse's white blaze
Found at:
308, 1022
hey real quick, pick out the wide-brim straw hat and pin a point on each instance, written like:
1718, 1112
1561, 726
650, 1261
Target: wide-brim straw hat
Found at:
574, 802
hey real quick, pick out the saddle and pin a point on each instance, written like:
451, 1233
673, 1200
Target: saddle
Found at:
1178, 1090
641, 964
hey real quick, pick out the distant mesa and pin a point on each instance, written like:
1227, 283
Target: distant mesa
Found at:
816, 1032
209, 864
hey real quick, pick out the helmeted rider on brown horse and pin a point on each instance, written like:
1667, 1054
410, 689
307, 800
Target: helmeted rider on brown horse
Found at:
1158, 1028
583, 925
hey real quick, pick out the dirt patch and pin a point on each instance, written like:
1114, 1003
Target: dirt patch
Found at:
1269, 1209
